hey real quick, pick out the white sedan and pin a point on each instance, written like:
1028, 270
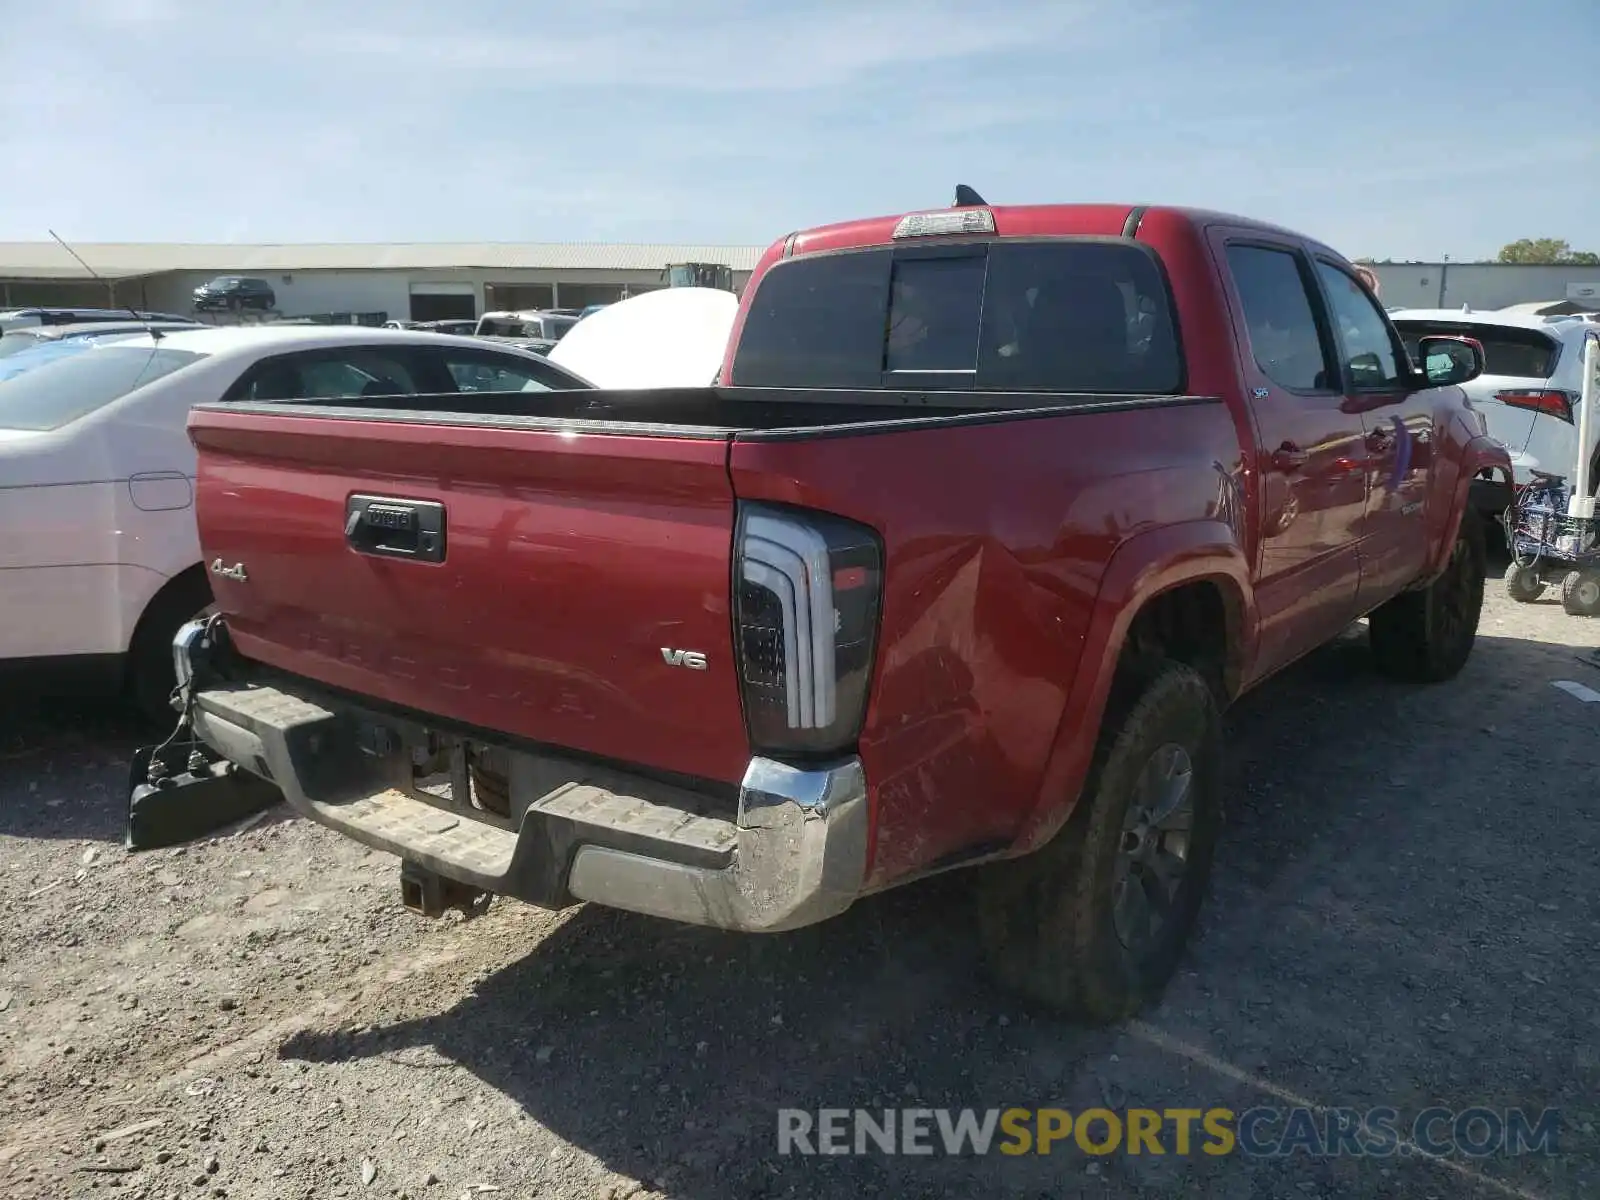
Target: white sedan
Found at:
100, 561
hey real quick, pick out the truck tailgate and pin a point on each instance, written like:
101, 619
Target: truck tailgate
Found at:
570, 573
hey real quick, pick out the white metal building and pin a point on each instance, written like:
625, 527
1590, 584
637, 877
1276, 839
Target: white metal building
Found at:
453, 280
403, 281
1488, 285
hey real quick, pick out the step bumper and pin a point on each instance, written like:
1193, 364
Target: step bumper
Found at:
793, 853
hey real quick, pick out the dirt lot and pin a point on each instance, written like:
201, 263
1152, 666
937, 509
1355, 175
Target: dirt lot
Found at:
1403, 915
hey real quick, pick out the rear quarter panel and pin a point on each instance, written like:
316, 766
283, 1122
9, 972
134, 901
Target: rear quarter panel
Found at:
98, 517
997, 538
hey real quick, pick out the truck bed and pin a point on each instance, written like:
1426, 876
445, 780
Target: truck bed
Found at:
719, 413
583, 550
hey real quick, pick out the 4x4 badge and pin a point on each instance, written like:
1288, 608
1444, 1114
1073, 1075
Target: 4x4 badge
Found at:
236, 572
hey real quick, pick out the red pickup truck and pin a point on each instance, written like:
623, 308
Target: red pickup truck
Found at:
990, 513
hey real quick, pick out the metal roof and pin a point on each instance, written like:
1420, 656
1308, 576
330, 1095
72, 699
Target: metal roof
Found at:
126, 260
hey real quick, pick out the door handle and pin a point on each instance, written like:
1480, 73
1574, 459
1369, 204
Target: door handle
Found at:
1289, 458
413, 529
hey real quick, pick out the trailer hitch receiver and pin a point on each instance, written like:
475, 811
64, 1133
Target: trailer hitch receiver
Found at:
431, 894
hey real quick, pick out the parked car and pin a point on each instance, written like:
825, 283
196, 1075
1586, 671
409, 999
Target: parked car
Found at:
1529, 391
462, 328
994, 511
234, 293
34, 318
33, 336
100, 564
547, 326
535, 345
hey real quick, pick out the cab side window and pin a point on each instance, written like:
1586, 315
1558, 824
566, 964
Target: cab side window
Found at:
328, 375
357, 372
1281, 320
476, 371
1365, 343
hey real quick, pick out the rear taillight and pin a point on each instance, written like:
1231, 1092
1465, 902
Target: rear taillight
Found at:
807, 587
1553, 402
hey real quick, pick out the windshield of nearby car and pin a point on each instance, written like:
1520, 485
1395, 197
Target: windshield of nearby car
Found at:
33, 339
43, 350
80, 378
1507, 349
500, 327
19, 340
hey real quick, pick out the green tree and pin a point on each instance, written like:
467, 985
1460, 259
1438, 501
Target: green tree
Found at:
1547, 250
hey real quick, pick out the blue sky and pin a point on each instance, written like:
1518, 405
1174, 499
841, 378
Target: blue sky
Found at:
1396, 128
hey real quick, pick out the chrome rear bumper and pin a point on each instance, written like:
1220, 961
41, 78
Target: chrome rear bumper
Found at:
794, 852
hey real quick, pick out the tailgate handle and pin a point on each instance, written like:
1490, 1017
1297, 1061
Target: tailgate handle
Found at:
394, 528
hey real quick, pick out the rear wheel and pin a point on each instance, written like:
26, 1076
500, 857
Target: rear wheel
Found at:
1427, 636
1093, 924
1580, 593
1523, 583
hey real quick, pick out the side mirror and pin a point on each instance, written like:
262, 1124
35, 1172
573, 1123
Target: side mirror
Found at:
1450, 360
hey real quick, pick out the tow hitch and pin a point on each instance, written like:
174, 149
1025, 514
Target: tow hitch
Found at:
431, 894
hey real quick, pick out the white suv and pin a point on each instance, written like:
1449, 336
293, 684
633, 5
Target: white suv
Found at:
1529, 390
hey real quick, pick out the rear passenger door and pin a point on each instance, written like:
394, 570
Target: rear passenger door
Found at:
1397, 423
1309, 458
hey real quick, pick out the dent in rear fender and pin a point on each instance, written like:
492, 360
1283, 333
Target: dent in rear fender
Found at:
967, 694
1141, 568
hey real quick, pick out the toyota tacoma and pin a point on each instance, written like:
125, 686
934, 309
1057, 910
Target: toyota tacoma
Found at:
990, 513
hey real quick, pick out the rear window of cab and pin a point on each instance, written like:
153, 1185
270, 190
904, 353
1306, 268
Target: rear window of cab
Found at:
1063, 315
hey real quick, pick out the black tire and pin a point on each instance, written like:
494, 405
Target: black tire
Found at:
1050, 921
1580, 593
1427, 636
1523, 583
151, 673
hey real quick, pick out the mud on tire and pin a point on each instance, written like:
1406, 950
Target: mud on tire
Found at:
1427, 636
1058, 925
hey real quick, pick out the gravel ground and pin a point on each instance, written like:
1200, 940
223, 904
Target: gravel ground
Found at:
1402, 914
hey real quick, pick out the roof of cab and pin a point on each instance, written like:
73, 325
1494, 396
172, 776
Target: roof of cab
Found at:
1029, 220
